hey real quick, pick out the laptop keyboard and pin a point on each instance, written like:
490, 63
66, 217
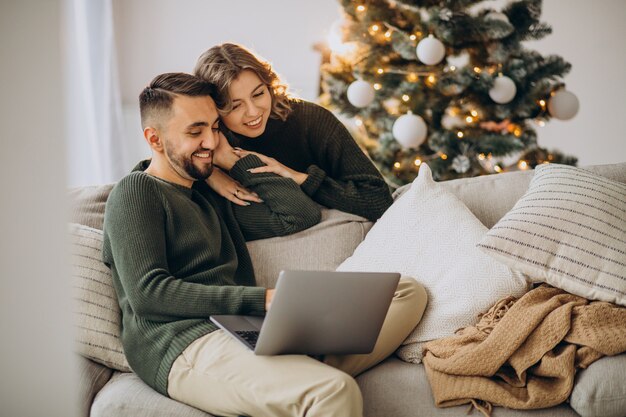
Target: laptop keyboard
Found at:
249, 336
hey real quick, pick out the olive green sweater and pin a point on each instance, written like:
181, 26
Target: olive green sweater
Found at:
312, 140
178, 255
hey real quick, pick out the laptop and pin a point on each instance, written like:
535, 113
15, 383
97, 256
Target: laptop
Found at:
318, 313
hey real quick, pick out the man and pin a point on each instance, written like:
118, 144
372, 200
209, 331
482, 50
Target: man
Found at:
177, 254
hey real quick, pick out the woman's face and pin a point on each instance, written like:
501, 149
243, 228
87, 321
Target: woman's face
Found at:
252, 105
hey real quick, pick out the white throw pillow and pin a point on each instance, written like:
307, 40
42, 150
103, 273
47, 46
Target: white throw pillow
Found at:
97, 315
430, 235
568, 230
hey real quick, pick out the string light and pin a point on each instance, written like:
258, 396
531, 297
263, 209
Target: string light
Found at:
497, 168
542, 103
388, 34
377, 86
412, 37
405, 98
444, 156
397, 165
380, 70
481, 156
517, 132
477, 70
469, 119
523, 165
412, 77
360, 8
474, 113
460, 134
358, 122
417, 162
375, 28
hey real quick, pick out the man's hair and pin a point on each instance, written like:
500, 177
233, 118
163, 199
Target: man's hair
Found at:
155, 101
221, 64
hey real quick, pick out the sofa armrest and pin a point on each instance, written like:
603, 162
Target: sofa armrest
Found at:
91, 378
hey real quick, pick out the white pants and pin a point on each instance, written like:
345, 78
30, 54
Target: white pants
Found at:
217, 374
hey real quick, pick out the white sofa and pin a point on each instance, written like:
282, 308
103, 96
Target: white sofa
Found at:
393, 388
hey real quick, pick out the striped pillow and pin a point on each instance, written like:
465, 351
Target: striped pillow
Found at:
568, 230
96, 312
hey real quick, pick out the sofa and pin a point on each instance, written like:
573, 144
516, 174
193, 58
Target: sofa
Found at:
392, 388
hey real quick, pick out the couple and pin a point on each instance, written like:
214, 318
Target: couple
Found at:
177, 249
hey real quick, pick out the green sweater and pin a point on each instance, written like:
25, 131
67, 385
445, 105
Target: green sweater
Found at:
178, 255
312, 140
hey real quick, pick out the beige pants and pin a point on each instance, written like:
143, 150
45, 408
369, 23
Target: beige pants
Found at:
220, 376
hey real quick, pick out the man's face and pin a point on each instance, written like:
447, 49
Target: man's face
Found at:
190, 136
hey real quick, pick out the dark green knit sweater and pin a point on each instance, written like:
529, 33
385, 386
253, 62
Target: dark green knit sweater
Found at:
312, 140
178, 255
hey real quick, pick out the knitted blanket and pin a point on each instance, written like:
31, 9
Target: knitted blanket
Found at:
524, 353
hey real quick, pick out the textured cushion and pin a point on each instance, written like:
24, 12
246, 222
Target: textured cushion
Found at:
97, 315
401, 389
430, 235
568, 230
321, 247
125, 395
91, 379
600, 389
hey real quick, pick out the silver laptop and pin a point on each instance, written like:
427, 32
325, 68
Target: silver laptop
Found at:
318, 313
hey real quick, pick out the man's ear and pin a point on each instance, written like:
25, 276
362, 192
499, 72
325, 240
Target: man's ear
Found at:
153, 139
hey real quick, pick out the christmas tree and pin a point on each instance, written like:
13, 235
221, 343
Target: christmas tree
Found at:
447, 82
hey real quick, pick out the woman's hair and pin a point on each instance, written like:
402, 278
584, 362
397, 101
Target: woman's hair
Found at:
221, 64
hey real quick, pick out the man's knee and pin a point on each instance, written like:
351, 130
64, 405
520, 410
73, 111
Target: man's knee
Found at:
409, 288
342, 395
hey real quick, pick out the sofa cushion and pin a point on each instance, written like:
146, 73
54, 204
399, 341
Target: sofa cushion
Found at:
568, 230
87, 204
91, 378
428, 234
125, 395
96, 312
400, 389
600, 390
321, 247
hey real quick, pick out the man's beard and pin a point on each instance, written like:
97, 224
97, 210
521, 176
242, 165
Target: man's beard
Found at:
186, 165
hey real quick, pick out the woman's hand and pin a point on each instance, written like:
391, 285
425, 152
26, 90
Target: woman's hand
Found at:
224, 155
272, 165
230, 189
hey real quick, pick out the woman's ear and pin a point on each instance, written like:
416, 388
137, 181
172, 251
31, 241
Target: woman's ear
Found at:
152, 137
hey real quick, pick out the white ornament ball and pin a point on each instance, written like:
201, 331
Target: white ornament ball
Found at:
450, 122
410, 130
497, 16
503, 90
430, 50
563, 105
360, 93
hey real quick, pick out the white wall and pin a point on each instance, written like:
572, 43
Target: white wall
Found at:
157, 36
36, 368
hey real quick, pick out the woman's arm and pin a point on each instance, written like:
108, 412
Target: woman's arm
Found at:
284, 209
343, 177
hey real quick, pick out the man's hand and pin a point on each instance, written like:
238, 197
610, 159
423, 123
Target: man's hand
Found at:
230, 189
269, 294
272, 165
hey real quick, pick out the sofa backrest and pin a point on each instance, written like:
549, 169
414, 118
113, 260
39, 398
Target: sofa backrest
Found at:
490, 197
326, 245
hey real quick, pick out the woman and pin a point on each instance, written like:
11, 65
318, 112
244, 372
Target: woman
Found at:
295, 138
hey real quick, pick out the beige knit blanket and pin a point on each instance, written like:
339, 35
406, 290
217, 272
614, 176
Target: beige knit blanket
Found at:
524, 354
